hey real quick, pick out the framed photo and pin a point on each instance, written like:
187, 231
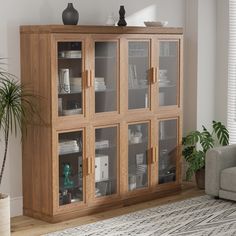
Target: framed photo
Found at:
139, 158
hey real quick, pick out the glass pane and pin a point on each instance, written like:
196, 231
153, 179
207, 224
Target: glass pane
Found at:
138, 156
70, 84
70, 167
167, 150
138, 75
105, 84
105, 161
168, 73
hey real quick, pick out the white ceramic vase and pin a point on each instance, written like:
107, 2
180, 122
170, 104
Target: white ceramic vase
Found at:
5, 227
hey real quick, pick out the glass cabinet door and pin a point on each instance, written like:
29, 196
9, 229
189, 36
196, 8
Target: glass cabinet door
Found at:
70, 80
168, 141
70, 150
138, 68
106, 76
106, 161
168, 73
138, 135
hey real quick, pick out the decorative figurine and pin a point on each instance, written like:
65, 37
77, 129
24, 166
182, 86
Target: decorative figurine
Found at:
67, 174
110, 20
122, 21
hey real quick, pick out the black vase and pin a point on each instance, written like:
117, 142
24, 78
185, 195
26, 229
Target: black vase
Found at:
70, 15
122, 21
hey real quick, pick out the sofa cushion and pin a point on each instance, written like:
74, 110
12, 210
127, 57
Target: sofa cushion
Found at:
228, 179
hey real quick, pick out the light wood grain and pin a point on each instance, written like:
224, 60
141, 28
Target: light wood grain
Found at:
85, 29
40, 147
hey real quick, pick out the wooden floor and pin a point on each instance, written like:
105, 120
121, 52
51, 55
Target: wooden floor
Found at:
26, 226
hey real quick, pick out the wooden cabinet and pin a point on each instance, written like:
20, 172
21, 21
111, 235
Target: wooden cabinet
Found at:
111, 103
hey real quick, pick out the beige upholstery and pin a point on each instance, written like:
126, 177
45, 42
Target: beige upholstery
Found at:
228, 179
218, 171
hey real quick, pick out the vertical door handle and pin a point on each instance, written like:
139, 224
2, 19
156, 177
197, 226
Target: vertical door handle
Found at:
89, 166
153, 75
88, 81
91, 78
154, 155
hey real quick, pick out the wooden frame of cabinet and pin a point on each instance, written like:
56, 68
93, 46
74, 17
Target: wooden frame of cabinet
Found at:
39, 70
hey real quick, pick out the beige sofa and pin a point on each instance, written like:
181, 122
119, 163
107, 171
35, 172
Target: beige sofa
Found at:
220, 169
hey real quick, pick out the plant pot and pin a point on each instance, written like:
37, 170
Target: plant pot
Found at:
5, 227
200, 178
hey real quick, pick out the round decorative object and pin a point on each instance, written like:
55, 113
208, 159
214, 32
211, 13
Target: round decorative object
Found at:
70, 15
122, 21
110, 20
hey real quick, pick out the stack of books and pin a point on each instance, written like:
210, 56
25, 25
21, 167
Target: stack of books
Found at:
70, 54
101, 144
100, 84
68, 146
133, 80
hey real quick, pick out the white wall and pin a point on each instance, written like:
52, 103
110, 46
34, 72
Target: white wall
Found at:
206, 62
15, 13
190, 65
200, 64
222, 38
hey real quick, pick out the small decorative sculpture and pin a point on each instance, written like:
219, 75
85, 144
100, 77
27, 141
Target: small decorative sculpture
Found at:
67, 174
122, 21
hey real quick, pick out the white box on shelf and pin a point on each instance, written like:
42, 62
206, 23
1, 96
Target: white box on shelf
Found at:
101, 168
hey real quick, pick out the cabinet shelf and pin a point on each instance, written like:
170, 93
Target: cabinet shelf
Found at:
69, 58
105, 57
105, 148
168, 57
167, 86
68, 94
105, 91
139, 88
70, 153
167, 138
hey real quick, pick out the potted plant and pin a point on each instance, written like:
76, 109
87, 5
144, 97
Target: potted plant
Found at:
16, 110
195, 146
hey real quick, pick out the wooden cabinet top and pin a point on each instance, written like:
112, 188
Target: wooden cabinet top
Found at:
86, 29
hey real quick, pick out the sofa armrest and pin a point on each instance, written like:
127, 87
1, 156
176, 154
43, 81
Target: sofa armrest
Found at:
218, 159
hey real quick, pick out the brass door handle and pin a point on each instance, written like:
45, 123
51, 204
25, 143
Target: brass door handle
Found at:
154, 155
89, 166
153, 75
88, 80
91, 78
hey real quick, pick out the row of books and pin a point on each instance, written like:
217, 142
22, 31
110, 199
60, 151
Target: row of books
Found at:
101, 144
99, 84
68, 146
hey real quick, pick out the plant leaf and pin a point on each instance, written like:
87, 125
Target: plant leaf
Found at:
195, 162
207, 140
221, 133
192, 138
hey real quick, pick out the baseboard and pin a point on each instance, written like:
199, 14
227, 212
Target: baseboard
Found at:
16, 206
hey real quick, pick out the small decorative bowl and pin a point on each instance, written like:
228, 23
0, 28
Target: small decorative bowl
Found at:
156, 23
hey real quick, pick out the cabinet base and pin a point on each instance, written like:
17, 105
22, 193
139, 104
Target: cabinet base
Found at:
67, 215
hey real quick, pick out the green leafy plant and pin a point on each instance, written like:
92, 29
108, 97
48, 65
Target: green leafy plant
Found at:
196, 144
16, 108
